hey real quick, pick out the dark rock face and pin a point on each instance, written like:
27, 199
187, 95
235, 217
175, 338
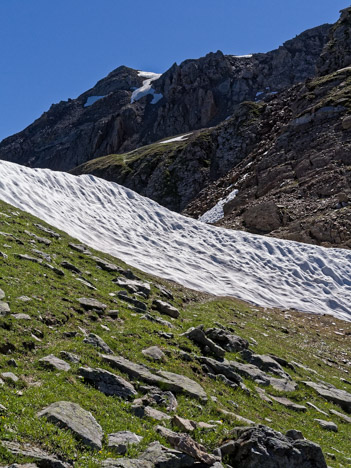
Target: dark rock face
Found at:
196, 94
261, 446
337, 52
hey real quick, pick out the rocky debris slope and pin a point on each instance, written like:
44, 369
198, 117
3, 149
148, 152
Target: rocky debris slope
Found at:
225, 366
195, 94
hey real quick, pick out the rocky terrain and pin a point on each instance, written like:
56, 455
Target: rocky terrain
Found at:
103, 365
195, 94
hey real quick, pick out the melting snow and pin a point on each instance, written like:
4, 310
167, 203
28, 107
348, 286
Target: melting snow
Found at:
242, 56
179, 138
91, 99
216, 213
147, 88
111, 218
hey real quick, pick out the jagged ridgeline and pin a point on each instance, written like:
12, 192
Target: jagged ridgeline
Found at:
103, 365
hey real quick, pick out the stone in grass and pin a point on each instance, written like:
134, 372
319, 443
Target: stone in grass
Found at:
3, 409
107, 382
90, 303
330, 393
345, 418
127, 463
327, 425
159, 456
184, 424
288, 403
119, 441
21, 316
9, 376
4, 308
147, 411
68, 415
154, 353
54, 363
2, 294
98, 342
70, 357
166, 308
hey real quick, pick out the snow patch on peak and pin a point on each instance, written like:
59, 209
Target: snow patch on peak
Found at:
106, 216
179, 138
92, 99
243, 56
217, 212
147, 88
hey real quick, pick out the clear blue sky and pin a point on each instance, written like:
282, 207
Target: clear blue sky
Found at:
55, 49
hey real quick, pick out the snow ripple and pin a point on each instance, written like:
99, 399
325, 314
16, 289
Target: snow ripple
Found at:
116, 220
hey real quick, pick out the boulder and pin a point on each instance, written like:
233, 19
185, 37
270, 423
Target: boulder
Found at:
4, 308
107, 382
166, 308
154, 353
327, 425
54, 363
68, 415
133, 286
162, 457
231, 343
198, 336
98, 342
330, 393
119, 441
91, 303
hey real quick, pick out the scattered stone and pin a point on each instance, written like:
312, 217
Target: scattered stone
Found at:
265, 363
24, 298
261, 446
294, 434
327, 425
282, 362
57, 271
41, 254
21, 316
154, 353
237, 417
126, 463
113, 314
28, 258
81, 422
80, 248
12, 363
70, 267
119, 441
262, 395
86, 283
165, 292
341, 416
147, 411
98, 342
151, 318
2, 294
137, 304
198, 336
288, 403
161, 457
133, 286
305, 368
316, 408
165, 308
224, 367
54, 363
70, 357
339, 397
105, 265
283, 385
10, 376
158, 397
167, 380
43, 458
184, 424
91, 304
185, 444
107, 382
185, 356
231, 343
3, 409
4, 308
48, 231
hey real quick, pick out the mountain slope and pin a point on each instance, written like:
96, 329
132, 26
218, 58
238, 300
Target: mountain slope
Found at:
47, 317
269, 272
195, 94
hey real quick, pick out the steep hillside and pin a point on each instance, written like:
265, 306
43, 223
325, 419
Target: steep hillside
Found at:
114, 117
75, 326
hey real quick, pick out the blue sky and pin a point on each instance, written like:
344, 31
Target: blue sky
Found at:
53, 50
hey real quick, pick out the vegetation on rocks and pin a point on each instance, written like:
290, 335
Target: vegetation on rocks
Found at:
46, 281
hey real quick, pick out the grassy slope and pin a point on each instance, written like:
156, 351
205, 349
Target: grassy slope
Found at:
310, 340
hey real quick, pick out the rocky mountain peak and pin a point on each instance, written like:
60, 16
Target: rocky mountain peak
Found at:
337, 52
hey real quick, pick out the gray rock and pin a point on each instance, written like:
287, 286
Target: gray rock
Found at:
134, 286
288, 403
294, 434
165, 292
43, 458
41, 240
107, 382
135, 302
54, 363
261, 446
147, 411
184, 443
90, 303
265, 363
167, 380
184, 424
311, 405
162, 457
41, 254
98, 342
151, 318
105, 265
4, 308
198, 336
2, 294
119, 441
10, 376
154, 353
339, 397
80, 248
71, 267
28, 258
21, 316
57, 271
86, 283
345, 418
71, 416
231, 343
283, 385
166, 308
48, 231
327, 425
70, 357
222, 367
126, 463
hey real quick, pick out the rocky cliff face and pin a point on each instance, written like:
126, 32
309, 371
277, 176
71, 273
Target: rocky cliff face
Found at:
195, 94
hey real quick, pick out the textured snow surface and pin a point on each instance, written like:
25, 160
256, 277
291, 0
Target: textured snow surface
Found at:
242, 56
179, 138
217, 212
147, 88
111, 218
91, 99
